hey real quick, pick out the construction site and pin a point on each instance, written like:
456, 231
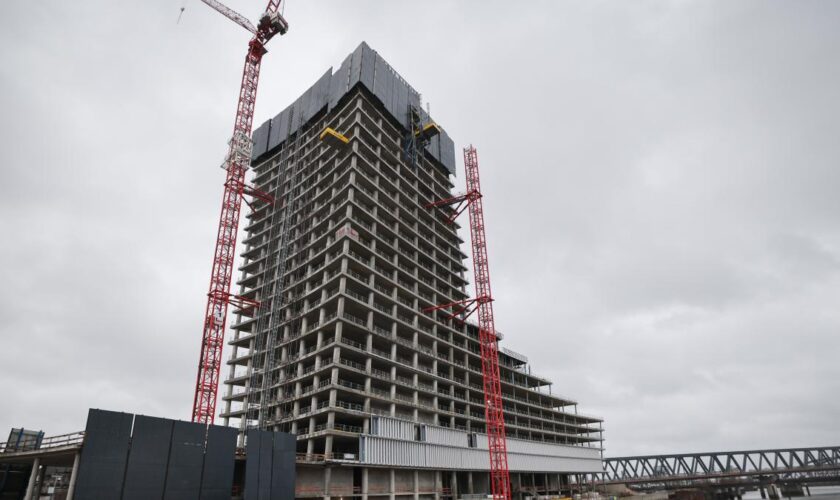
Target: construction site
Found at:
352, 327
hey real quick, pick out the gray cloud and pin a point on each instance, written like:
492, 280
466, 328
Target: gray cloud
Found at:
660, 182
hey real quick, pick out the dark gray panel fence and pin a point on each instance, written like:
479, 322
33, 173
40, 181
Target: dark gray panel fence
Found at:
219, 457
186, 461
104, 455
145, 476
174, 460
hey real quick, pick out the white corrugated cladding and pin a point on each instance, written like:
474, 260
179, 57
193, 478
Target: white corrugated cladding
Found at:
392, 428
442, 435
392, 443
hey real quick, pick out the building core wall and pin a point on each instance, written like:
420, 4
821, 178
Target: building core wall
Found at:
342, 353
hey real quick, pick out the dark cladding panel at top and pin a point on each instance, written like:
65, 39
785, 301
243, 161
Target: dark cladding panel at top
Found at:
368, 67
383, 82
434, 147
279, 130
301, 105
146, 472
400, 96
363, 65
104, 455
447, 152
356, 64
294, 119
217, 479
186, 460
320, 95
397, 87
339, 82
260, 138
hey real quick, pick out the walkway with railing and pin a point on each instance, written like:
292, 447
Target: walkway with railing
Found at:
782, 463
51, 443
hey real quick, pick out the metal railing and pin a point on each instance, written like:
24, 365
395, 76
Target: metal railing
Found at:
47, 443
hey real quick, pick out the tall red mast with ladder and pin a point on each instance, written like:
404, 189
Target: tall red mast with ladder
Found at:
236, 165
483, 305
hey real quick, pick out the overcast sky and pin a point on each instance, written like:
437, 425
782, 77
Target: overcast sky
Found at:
661, 183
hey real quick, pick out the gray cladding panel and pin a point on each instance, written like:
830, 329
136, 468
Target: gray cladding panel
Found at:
339, 82
283, 474
186, 461
401, 104
279, 128
260, 138
217, 478
356, 64
303, 107
294, 118
447, 152
434, 147
252, 465
320, 94
397, 88
414, 99
104, 455
146, 472
368, 67
383, 82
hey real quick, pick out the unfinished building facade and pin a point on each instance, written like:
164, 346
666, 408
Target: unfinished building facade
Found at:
385, 399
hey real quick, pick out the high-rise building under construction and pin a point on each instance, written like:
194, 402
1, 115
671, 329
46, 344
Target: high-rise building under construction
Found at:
385, 397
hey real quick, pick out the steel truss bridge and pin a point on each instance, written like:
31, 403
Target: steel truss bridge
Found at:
754, 467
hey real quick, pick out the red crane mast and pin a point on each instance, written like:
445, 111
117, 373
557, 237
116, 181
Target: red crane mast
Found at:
236, 165
487, 335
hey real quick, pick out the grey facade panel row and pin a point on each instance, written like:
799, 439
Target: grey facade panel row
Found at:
363, 66
374, 450
391, 440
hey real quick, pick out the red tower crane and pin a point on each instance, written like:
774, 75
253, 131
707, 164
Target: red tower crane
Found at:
236, 164
487, 337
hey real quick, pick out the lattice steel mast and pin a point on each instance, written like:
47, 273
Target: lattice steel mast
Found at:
236, 165
483, 304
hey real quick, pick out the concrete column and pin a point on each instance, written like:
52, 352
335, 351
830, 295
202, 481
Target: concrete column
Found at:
74, 474
392, 483
365, 483
416, 484
33, 478
453, 484
327, 476
438, 484
470, 488
328, 442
